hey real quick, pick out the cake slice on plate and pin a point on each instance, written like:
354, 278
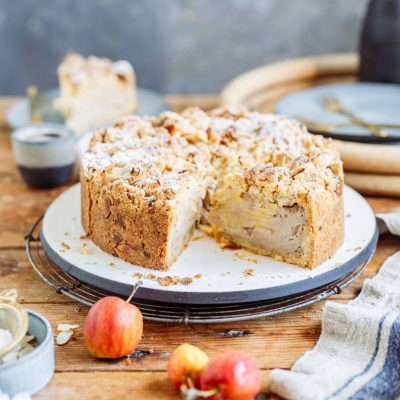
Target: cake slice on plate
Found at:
94, 92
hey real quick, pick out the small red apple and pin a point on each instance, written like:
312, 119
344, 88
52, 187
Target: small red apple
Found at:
185, 365
113, 328
233, 376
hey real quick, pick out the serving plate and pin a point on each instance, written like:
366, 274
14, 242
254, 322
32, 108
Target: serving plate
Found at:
374, 102
18, 116
223, 276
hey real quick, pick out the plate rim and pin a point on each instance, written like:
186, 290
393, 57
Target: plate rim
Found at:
363, 138
51, 92
207, 298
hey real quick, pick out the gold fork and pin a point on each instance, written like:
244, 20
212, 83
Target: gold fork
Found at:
332, 103
334, 125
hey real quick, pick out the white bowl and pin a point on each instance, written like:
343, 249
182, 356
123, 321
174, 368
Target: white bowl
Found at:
35, 369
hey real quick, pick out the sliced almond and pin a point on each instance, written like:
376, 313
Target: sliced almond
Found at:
64, 337
10, 357
66, 327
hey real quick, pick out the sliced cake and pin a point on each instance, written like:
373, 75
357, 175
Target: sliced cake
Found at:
94, 92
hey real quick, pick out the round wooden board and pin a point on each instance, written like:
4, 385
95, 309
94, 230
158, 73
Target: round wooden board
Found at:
261, 88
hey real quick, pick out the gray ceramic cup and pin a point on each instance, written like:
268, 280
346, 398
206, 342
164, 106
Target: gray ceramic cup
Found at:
45, 154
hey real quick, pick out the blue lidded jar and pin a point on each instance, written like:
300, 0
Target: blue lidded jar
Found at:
45, 154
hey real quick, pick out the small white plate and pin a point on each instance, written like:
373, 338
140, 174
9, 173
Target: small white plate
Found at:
18, 116
223, 272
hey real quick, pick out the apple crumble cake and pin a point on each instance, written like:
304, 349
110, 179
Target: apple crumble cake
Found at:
83, 81
260, 181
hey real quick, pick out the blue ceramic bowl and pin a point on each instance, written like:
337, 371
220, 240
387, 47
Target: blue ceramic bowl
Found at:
34, 370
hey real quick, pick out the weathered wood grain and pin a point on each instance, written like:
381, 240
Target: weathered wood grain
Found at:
117, 385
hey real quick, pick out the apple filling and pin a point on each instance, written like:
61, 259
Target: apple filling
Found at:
265, 228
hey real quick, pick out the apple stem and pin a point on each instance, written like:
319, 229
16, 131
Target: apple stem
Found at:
190, 382
135, 288
192, 393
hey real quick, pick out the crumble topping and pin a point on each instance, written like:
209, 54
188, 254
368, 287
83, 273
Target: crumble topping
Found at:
268, 156
79, 69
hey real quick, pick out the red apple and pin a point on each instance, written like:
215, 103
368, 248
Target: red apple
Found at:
185, 365
233, 375
113, 328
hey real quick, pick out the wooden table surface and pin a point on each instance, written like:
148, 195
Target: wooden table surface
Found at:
275, 342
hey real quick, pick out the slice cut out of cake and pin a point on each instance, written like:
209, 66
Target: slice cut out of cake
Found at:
277, 212
94, 92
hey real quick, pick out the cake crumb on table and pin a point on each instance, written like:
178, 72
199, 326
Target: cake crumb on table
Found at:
186, 281
245, 257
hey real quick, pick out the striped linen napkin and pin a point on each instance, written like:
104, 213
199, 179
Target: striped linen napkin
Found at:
358, 353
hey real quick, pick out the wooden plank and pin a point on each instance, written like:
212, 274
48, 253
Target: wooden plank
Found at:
274, 342
117, 385
20, 206
8, 172
5, 104
383, 204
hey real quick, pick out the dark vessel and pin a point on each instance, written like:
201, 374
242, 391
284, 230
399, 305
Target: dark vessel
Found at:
46, 178
380, 42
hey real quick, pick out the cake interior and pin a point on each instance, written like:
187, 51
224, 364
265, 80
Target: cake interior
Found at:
186, 213
266, 229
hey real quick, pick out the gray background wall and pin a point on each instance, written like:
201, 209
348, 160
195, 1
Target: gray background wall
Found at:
176, 46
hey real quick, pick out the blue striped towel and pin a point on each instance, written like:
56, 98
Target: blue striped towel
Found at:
358, 353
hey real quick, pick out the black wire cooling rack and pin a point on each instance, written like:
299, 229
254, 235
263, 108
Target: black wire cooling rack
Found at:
65, 284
